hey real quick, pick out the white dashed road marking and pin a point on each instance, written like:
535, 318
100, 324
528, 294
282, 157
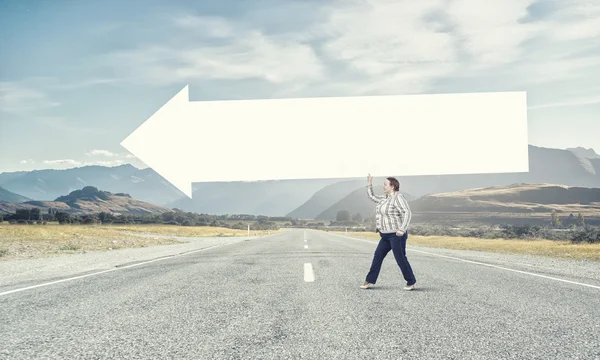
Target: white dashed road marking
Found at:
309, 275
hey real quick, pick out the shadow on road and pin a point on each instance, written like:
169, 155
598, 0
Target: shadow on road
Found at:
391, 287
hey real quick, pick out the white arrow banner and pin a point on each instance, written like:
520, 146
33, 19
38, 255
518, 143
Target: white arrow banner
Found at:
339, 137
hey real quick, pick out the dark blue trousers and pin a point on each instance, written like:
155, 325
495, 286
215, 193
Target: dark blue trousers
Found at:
398, 246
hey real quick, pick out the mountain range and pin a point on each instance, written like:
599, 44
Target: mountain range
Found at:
10, 196
307, 199
48, 184
509, 204
271, 198
88, 200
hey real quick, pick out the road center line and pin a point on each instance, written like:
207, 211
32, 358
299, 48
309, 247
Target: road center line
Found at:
309, 275
484, 264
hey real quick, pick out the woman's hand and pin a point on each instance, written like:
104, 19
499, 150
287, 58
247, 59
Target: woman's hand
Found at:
399, 233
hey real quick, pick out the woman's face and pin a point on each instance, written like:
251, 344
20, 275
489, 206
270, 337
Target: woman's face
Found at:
387, 187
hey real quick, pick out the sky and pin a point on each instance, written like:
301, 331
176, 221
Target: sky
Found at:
77, 77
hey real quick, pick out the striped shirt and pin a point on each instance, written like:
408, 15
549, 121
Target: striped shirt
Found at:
392, 213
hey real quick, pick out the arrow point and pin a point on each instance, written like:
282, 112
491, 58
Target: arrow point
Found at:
157, 141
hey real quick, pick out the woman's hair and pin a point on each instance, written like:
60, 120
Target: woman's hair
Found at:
395, 183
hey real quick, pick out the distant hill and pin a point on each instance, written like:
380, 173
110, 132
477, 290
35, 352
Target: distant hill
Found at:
546, 165
581, 151
323, 199
509, 204
11, 207
48, 184
269, 198
357, 202
10, 196
90, 200
518, 198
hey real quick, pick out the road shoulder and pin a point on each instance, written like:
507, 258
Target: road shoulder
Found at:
24, 272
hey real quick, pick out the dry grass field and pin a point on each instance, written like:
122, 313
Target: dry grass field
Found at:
32, 241
550, 248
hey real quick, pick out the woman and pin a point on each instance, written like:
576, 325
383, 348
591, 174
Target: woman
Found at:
392, 218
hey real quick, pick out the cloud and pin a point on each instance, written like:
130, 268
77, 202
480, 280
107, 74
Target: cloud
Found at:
63, 162
571, 102
84, 83
406, 47
389, 45
33, 96
70, 162
24, 97
101, 153
554, 47
106, 163
214, 48
554, 66
492, 34
574, 20
210, 26
98, 152
362, 47
402, 47
117, 159
62, 123
459, 45
391, 35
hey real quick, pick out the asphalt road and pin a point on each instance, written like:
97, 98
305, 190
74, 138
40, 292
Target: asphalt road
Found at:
258, 299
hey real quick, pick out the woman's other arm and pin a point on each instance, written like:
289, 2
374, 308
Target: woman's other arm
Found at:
402, 206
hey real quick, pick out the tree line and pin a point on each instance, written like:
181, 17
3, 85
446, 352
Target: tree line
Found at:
175, 217
573, 228
344, 217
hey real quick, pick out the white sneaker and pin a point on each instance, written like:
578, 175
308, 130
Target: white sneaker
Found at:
366, 285
409, 287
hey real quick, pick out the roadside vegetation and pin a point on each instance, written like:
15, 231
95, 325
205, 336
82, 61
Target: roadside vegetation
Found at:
175, 217
541, 247
30, 233
569, 237
573, 229
32, 241
575, 235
